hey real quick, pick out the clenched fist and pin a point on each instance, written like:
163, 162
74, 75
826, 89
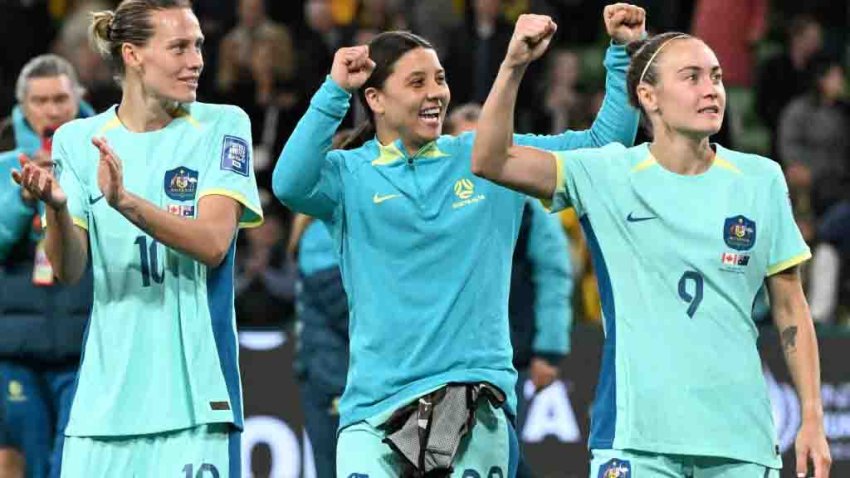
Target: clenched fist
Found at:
625, 23
352, 67
531, 38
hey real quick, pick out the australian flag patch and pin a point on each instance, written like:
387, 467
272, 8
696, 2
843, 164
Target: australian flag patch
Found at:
234, 155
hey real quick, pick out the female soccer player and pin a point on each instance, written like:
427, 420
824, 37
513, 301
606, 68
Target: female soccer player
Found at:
158, 392
683, 234
425, 253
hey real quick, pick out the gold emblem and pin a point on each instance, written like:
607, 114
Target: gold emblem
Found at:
464, 189
16, 391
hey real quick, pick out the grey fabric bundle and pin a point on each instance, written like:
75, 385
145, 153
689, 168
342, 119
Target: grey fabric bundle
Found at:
428, 432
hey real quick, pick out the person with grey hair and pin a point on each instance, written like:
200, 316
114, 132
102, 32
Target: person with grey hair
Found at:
56, 99
41, 325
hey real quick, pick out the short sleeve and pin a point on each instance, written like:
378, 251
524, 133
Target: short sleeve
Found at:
70, 179
230, 170
579, 171
787, 247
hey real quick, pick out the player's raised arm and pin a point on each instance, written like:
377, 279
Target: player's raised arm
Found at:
617, 121
300, 179
799, 344
493, 155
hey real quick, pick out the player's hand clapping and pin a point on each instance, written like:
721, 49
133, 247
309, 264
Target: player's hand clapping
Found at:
625, 23
352, 67
110, 173
531, 38
38, 182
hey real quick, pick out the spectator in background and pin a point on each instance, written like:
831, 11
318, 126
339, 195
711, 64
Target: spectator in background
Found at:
257, 71
814, 144
381, 15
434, 20
564, 106
72, 43
41, 323
217, 18
733, 40
316, 41
235, 48
828, 279
265, 278
784, 76
731, 28
476, 50
539, 308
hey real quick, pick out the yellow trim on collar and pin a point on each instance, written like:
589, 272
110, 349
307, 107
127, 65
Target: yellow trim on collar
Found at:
109, 125
644, 164
431, 150
184, 113
387, 154
722, 163
390, 153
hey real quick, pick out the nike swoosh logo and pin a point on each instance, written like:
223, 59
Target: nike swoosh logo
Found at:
94, 200
377, 199
632, 218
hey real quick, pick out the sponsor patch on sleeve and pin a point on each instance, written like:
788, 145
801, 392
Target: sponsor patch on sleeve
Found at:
235, 155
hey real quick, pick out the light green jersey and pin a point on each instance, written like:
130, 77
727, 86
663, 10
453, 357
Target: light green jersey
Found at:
160, 351
679, 261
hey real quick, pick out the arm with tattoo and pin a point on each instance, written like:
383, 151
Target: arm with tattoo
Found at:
800, 347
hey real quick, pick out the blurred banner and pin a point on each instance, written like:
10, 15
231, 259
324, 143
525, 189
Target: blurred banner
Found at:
556, 428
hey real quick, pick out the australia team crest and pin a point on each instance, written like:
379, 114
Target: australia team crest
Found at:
739, 233
181, 184
615, 469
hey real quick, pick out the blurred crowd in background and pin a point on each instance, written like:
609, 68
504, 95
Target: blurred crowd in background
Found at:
784, 65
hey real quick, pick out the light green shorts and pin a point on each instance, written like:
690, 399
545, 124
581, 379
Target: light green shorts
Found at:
628, 464
489, 451
206, 451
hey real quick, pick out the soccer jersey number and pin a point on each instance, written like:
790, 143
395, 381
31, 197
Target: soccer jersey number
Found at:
149, 259
693, 299
206, 467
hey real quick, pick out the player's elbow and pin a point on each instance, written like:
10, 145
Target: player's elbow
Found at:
284, 186
215, 253
483, 164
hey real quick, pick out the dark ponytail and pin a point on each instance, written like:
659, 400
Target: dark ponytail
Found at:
354, 138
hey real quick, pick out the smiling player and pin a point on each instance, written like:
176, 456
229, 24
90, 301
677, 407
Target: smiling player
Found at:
158, 392
683, 234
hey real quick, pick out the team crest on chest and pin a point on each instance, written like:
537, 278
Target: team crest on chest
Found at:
181, 184
464, 190
615, 469
739, 233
